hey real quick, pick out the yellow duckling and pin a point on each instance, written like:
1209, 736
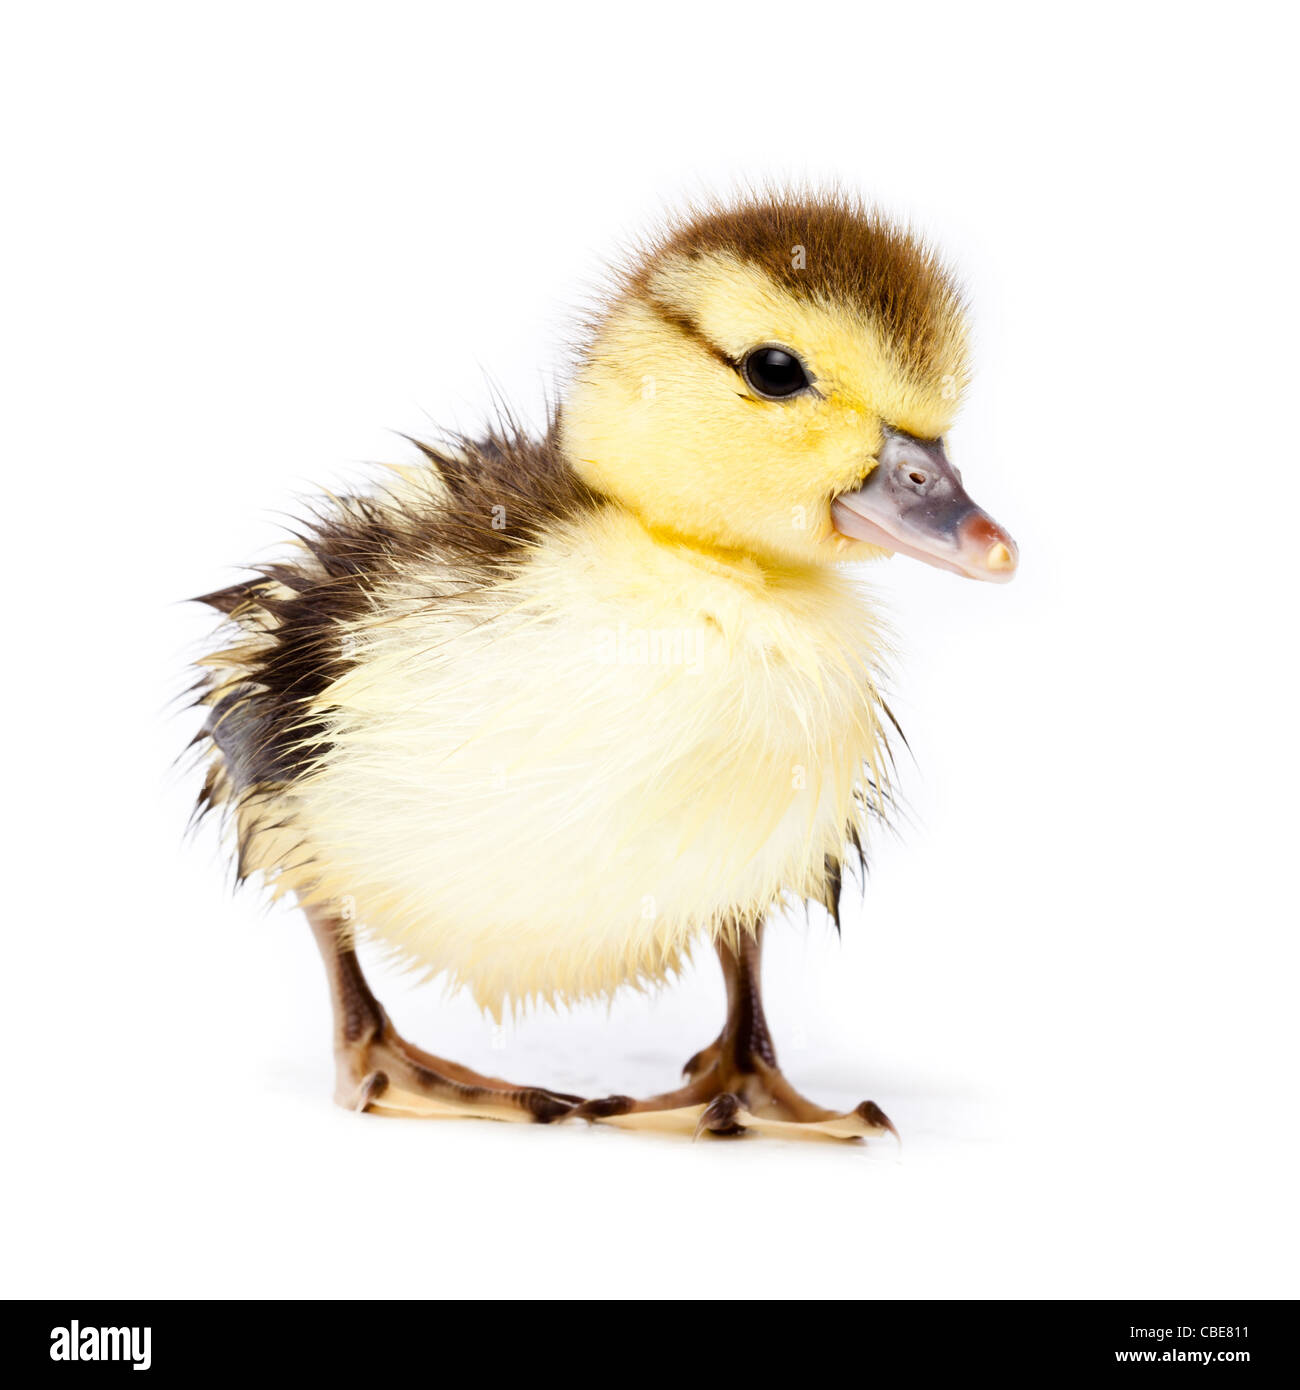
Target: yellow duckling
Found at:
541, 713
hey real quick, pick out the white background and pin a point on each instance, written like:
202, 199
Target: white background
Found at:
244, 242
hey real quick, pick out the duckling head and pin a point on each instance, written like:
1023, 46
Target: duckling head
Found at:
776, 378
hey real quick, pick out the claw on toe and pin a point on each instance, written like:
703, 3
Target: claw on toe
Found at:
720, 1116
371, 1088
547, 1107
873, 1115
604, 1108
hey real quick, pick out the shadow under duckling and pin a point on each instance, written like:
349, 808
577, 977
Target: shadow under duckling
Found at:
538, 713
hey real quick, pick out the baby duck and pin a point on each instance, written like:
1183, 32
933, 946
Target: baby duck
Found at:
539, 713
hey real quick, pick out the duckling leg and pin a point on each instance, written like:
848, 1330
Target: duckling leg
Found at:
378, 1071
735, 1084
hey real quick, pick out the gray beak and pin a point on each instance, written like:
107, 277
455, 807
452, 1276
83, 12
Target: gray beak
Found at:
913, 503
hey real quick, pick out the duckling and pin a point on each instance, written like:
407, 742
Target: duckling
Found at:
540, 714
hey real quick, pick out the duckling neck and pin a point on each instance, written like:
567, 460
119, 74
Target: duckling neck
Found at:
710, 554
693, 551
809, 615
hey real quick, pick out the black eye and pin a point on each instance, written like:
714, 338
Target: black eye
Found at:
774, 372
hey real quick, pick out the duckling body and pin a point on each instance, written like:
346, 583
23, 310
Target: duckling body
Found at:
615, 748
539, 715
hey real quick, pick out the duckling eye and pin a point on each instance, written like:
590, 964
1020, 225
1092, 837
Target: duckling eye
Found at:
774, 372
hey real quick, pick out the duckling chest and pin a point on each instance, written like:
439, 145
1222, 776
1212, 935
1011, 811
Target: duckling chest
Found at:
632, 743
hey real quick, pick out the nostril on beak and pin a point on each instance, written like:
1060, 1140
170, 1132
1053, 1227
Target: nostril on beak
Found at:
999, 557
917, 476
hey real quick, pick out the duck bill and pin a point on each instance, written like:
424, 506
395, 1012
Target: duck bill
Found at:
913, 503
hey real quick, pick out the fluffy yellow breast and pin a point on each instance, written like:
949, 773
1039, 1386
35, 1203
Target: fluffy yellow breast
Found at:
551, 786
